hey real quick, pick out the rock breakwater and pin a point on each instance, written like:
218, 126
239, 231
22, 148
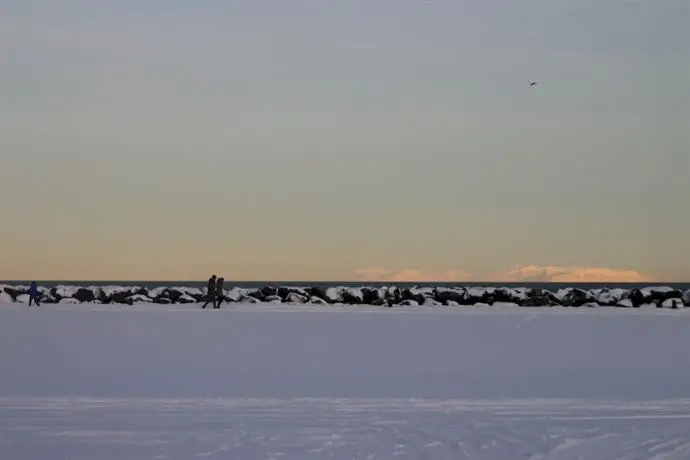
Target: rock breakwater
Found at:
384, 296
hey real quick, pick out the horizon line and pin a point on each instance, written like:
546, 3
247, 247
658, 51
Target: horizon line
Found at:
362, 282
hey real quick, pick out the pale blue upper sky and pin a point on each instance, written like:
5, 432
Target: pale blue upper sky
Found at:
310, 138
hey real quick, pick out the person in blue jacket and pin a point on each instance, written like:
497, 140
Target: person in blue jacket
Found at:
34, 295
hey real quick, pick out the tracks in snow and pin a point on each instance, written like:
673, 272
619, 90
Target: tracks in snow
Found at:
84, 428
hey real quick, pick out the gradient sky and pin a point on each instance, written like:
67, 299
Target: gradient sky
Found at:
311, 138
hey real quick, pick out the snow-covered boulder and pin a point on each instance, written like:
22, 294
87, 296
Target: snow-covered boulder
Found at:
61, 291
294, 297
83, 295
673, 303
477, 295
185, 298
450, 296
334, 294
138, 298
431, 302
409, 303
5, 298
249, 299
69, 301
509, 295
22, 298
574, 297
539, 298
351, 296
608, 297
625, 303
373, 296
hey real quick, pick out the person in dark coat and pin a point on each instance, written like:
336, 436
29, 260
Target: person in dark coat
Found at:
220, 296
34, 295
636, 298
210, 292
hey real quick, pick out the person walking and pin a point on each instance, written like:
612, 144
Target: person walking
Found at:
34, 295
220, 295
210, 292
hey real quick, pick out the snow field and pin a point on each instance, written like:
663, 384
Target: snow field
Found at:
252, 381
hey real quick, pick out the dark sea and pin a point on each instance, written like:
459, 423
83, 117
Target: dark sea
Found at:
259, 284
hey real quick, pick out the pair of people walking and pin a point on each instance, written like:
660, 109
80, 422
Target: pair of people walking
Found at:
214, 292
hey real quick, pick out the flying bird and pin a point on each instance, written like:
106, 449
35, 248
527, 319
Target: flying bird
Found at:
533, 83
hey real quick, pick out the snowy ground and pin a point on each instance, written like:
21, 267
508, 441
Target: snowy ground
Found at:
260, 382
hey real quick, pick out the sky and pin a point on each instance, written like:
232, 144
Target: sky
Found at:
337, 140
